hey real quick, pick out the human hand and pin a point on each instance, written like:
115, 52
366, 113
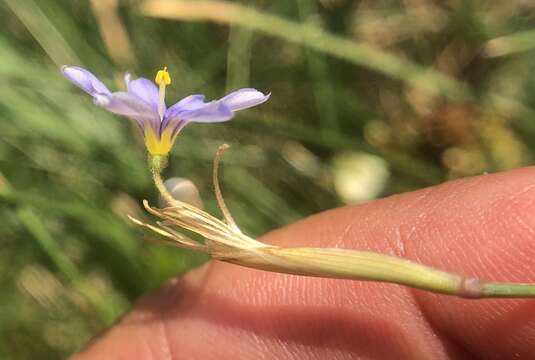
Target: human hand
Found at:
482, 226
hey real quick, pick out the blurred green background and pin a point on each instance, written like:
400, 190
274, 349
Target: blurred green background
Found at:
369, 98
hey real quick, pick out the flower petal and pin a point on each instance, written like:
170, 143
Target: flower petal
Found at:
244, 98
131, 106
211, 112
190, 103
214, 111
85, 80
144, 89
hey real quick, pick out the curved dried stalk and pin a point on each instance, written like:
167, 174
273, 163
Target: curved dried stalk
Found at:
217, 189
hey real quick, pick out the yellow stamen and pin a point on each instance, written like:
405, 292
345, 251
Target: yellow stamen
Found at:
162, 76
162, 79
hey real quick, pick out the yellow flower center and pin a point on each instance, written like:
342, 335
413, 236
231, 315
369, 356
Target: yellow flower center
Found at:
158, 145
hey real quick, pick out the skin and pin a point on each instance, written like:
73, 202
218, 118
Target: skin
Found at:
482, 226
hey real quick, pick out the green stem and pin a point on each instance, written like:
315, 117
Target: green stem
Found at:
337, 263
507, 290
372, 266
157, 178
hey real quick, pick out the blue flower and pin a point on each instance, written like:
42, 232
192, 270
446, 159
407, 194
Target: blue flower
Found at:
144, 102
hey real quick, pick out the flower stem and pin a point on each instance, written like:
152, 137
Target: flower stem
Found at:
225, 242
507, 290
372, 266
156, 168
